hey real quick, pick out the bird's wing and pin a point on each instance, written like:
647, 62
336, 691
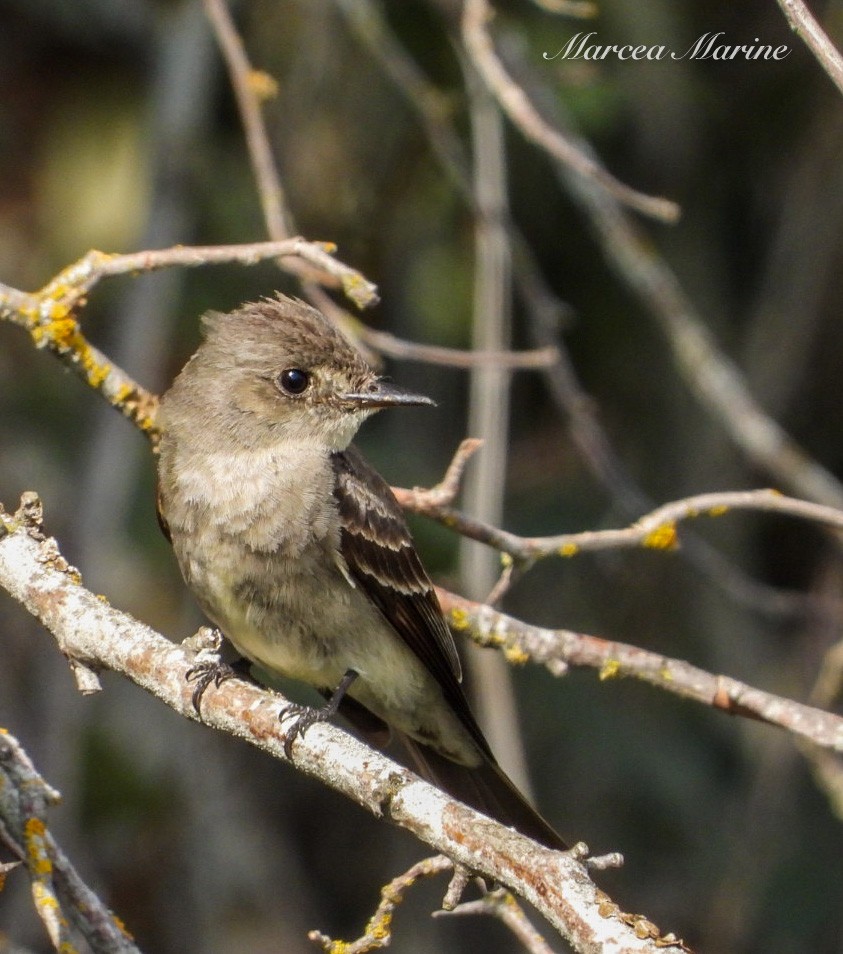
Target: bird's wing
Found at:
376, 545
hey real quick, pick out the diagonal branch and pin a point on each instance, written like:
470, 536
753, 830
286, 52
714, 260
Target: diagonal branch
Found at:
523, 114
247, 87
558, 649
62, 900
804, 25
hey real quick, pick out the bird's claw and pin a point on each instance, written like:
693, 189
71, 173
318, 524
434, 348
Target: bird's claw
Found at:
303, 717
205, 673
306, 716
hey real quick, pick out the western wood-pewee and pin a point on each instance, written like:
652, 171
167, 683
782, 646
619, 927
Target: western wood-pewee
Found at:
298, 551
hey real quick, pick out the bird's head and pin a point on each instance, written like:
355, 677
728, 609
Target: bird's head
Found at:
284, 365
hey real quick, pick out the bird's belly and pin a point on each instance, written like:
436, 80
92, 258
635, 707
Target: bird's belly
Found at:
282, 616
303, 619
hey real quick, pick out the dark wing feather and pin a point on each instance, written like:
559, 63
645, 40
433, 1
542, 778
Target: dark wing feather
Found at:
159, 513
376, 545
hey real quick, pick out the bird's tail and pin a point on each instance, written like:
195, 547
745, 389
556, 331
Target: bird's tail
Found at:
486, 788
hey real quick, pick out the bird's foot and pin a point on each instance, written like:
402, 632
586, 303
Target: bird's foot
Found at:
208, 671
303, 717
205, 673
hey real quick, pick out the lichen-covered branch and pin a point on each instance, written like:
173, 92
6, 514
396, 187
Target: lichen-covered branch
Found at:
49, 315
378, 933
66, 905
558, 649
655, 530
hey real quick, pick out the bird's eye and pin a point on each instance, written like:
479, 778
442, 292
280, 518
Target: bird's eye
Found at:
293, 380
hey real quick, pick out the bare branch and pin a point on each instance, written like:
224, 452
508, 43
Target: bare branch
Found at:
500, 904
386, 343
517, 106
558, 649
710, 374
448, 488
248, 86
87, 628
63, 901
279, 220
546, 311
804, 25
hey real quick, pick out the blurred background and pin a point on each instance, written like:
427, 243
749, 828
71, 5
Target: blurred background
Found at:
118, 130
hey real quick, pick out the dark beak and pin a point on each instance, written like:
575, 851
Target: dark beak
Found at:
385, 394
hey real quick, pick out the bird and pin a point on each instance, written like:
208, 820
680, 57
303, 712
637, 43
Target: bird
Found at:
296, 548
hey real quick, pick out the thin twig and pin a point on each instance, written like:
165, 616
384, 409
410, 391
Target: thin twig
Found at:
279, 220
446, 490
502, 905
655, 530
557, 649
386, 343
804, 25
248, 93
546, 311
378, 933
518, 107
714, 377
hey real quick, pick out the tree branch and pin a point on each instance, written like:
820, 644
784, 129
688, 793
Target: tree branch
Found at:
65, 904
804, 25
557, 649
521, 112
248, 84
48, 315
656, 530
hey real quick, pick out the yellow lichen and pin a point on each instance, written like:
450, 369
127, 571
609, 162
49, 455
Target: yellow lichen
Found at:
61, 331
610, 669
34, 832
122, 927
381, 929
262, 84
717, 511
662, 538
459, 619
568, 550
516, 655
